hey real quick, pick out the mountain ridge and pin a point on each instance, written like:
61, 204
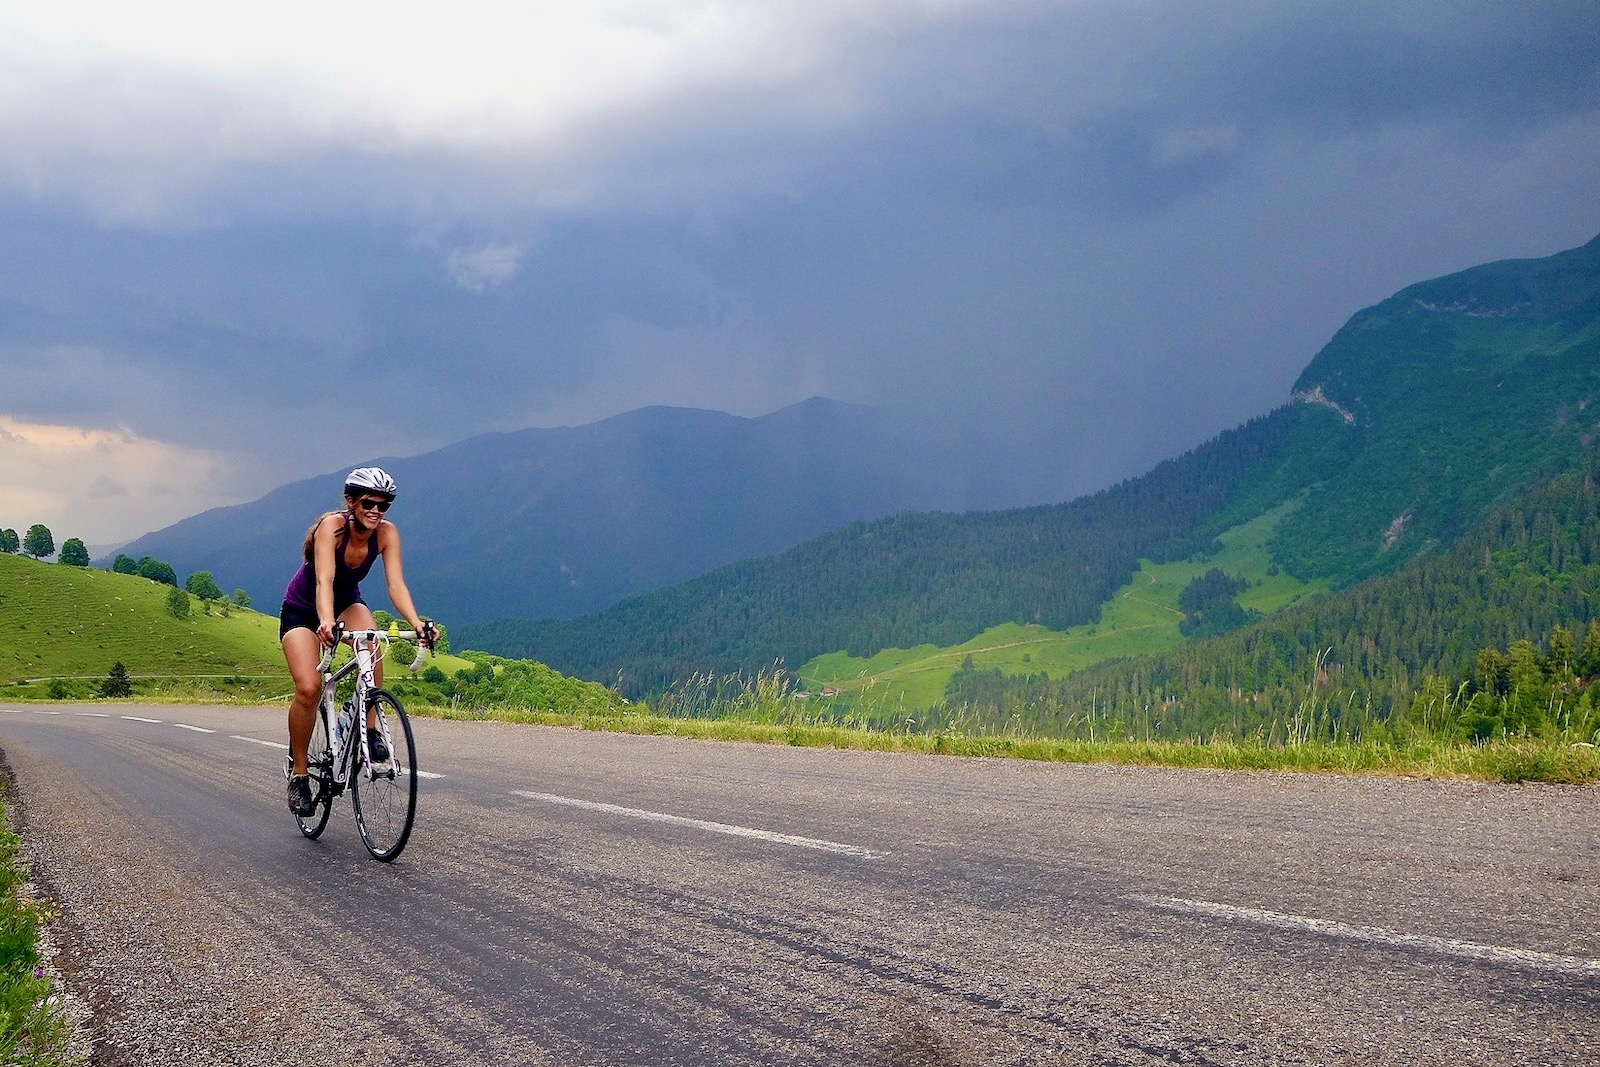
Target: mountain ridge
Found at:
562, 521
1419, 415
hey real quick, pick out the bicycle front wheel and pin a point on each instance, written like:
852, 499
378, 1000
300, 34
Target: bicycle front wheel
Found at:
319, 764
386, 802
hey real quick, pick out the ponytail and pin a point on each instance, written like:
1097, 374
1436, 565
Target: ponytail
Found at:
311, 534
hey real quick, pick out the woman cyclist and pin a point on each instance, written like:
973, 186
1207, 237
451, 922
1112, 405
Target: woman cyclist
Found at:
339, 550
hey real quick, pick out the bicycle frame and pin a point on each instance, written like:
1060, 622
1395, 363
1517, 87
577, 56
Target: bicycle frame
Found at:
368, 646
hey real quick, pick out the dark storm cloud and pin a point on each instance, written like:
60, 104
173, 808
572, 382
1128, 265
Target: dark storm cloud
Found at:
1109, 229
1127, 106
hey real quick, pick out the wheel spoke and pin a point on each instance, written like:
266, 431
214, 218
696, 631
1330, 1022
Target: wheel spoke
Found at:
386, 803
319, 763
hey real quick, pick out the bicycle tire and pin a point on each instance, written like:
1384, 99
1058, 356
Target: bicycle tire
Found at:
386, 804
319, 764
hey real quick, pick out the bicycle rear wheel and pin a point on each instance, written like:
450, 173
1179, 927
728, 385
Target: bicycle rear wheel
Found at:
319, 765
386, 803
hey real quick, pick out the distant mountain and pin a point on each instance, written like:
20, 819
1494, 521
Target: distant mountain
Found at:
1420, 415
553, 523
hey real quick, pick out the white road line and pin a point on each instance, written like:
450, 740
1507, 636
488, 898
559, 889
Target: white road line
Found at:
259, 741
139, 718
702, 824
14, 711
36, 711
280, 745
196, 729
1444, 946
92, 714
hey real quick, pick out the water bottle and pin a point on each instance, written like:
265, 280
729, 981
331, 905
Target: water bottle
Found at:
347, 716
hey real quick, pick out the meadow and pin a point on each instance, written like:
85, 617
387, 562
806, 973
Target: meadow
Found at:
62, 629
1140, 618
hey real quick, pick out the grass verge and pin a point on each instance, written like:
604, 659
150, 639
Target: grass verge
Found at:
1512, 760
33, 1028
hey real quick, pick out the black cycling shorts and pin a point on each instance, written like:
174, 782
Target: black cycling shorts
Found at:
292, 618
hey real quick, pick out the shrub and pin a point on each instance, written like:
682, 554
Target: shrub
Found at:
178, 603
157, 571
203, 585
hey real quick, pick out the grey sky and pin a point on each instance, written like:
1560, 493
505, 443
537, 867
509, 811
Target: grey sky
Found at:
1090, 233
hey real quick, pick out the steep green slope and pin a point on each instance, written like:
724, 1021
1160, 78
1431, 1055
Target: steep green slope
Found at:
75, 622
1391, 649
1460, 390
1419, 416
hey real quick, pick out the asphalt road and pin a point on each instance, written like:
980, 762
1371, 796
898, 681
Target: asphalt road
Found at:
584, 898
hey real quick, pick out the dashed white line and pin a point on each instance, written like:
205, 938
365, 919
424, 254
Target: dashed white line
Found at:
702, 824
284, 748
1444, 946
260, 741
182, 726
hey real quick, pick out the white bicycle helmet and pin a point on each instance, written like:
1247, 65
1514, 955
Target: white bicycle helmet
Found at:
369, 480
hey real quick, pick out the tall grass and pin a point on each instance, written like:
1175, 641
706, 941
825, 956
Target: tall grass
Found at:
33, 1028
768, 708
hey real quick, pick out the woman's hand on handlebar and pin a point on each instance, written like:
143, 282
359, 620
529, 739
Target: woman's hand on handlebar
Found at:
328, 633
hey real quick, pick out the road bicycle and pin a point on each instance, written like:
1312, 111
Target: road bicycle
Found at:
383, 791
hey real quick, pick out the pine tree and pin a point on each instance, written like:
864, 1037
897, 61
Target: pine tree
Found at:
116, 683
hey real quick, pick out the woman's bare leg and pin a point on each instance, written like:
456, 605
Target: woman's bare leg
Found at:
303, 651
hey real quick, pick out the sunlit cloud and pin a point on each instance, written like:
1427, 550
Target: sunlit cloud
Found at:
483, 268
66, 477
130, 108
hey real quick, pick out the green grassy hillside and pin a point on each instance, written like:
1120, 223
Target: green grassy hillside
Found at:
62, 628
73, 623
1497, 637
68, 625
1460, 391
1140, 618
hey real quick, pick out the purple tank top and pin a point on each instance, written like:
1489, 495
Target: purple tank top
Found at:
302, 590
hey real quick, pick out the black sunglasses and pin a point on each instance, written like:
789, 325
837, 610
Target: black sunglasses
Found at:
369, 504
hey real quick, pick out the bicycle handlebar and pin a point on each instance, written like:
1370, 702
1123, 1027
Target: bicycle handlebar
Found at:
354, 637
